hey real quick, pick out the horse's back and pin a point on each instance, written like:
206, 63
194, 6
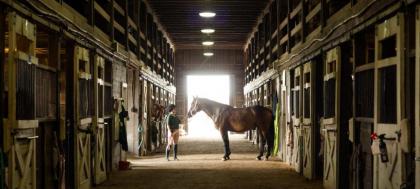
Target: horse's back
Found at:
243, 119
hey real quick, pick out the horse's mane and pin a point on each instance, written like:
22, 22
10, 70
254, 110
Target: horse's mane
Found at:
214, 109
208, 101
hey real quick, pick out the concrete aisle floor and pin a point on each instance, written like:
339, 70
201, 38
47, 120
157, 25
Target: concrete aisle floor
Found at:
200, 167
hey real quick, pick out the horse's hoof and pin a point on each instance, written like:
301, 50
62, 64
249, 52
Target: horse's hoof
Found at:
266, 159
258, 158
227, 158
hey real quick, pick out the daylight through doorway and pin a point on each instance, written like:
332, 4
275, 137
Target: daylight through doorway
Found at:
213, 87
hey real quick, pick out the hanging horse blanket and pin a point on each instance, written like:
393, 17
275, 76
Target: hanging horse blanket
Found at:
123, 130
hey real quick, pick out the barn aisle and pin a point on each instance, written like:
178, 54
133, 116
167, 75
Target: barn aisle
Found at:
200, 167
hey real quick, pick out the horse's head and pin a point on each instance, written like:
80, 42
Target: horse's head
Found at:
157, 111
194, 108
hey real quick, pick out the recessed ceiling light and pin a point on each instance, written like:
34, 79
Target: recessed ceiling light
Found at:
208, 54
208, 43
207, 14
208, 30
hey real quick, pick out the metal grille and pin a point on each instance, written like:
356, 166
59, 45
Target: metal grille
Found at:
307, 101
365, 93
108, 101
85, 98
100, 100
329, 99
388, 95
296, 103
25, 90
46, 98
292, 93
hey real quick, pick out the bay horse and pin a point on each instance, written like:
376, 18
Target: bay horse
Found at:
158, 111
227, 118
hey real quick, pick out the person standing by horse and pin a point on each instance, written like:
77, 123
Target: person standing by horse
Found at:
172, 123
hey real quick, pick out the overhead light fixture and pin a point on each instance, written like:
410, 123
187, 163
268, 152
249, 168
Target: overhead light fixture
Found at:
207, 14
208, 31
208, 54
208, 43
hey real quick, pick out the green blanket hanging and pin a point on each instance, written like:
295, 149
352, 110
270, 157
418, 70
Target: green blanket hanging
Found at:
276, 131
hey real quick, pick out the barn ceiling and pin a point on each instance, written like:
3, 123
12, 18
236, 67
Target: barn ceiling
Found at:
233, 22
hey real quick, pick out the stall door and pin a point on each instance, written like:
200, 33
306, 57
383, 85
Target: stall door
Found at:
21, 103
145, 114
307, 130
99, 121
330, 122
297, 118
283, 118
84, 115
418, 100
364, 88
389, 107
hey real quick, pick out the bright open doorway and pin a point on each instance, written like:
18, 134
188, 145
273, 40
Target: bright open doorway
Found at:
213, 87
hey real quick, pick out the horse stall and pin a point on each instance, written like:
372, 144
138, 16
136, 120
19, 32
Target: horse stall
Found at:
133, 92
296, 116
103, 120
390, 114
48, 148
144, 115
364, 75
287, 109
21, 123
83, 122
311, 113
108, 108
119, 94
337, 112
283, 142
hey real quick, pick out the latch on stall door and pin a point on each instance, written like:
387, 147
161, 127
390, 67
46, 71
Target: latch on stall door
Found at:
380, 147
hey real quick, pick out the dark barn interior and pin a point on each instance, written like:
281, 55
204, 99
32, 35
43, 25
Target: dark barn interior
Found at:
87, 88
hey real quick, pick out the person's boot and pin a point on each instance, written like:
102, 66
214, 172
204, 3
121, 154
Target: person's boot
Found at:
175, 151
168, 150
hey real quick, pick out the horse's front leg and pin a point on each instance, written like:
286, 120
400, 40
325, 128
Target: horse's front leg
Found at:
225, 138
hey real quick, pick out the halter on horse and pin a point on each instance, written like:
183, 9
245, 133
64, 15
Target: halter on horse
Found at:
226, 118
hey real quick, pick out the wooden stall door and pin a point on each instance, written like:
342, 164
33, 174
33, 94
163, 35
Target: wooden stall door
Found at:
283, 119
21, 103
307, 126
362, 124
297, 119
99, 122
145, 115
330, 122
417, 99
84, 104
389, 95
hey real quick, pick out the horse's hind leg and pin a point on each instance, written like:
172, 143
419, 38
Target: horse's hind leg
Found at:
225, 138
261, 147
269, 149
270, 143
